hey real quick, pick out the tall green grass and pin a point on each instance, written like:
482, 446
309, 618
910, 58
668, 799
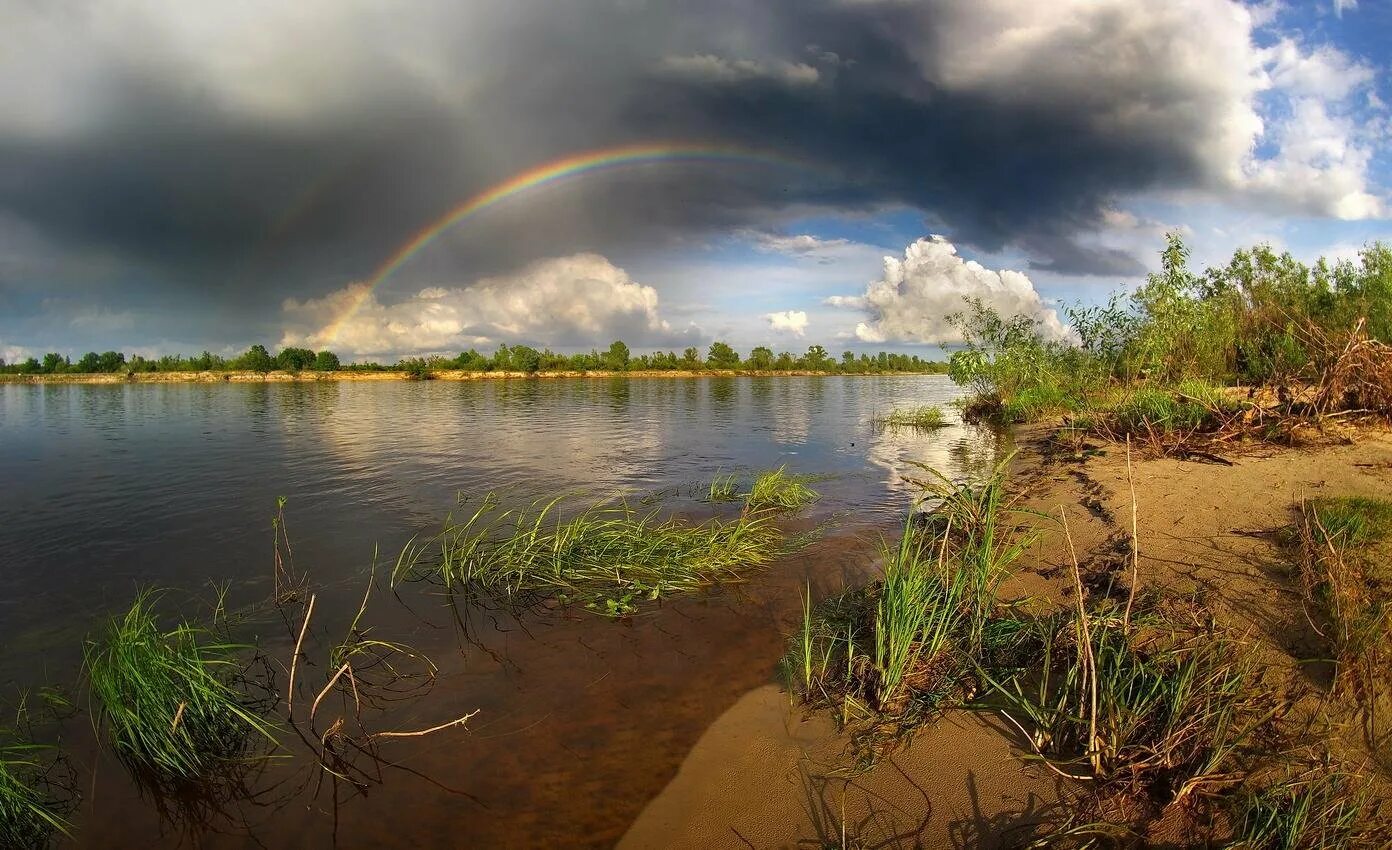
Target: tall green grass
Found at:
983, 537
724, 487
607, 556
1325, 811
169, 698
1348, 584
918, 613
30, 814
1190, 405
906, 644
926, 417
1151, 706
780, 490
1351, 521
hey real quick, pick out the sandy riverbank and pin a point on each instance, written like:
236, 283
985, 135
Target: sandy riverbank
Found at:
347, 375
768, 774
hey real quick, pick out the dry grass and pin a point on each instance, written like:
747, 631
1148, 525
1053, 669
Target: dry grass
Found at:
1348, 592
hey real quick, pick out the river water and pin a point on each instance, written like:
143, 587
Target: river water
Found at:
105, 490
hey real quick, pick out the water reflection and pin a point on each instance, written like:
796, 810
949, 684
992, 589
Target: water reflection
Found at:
113, 486
110, 487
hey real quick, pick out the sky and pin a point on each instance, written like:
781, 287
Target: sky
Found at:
181, 176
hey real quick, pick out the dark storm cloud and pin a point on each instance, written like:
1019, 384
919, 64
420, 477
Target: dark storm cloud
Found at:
235, 167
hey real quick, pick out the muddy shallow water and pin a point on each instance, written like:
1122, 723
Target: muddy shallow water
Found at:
582, 720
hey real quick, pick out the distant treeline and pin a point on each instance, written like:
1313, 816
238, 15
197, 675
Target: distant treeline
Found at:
508, 358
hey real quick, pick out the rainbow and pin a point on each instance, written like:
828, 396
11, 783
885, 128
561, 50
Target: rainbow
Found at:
537, 177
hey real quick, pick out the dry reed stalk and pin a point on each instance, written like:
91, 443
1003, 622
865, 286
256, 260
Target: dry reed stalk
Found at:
295, 660
1135, 543
1089, 661
314, 709
456, 722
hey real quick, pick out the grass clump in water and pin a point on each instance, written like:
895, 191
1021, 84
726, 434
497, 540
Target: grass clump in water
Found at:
31, 807
607, 556
927, 418
898, 651
779, 490
724, 487
169, 698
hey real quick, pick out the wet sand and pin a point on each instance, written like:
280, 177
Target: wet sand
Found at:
768, 775
762, 775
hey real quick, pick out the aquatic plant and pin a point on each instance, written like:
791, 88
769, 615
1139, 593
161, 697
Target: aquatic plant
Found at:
607, 556
907, 645
169, 699
779, 490
927, 417
917, 614
724, 487
30, 809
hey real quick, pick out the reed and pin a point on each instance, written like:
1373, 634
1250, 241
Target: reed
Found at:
607, 556
169, 699
779, 490
927, 417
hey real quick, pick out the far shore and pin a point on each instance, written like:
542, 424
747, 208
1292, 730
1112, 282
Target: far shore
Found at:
309, 377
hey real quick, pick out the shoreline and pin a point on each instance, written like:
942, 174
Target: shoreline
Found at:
774, 772
279, 377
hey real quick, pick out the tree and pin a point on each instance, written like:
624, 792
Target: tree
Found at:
691, 358
257, 359
30, 367
817, 359
526, 359
295, 359
110, 361
722, 356
326, 361
90, 362
470, 361
616, 357
53, 363
761, 358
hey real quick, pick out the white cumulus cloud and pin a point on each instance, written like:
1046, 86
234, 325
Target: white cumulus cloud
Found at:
792, 322
917, 293
581, 299
1191, 75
